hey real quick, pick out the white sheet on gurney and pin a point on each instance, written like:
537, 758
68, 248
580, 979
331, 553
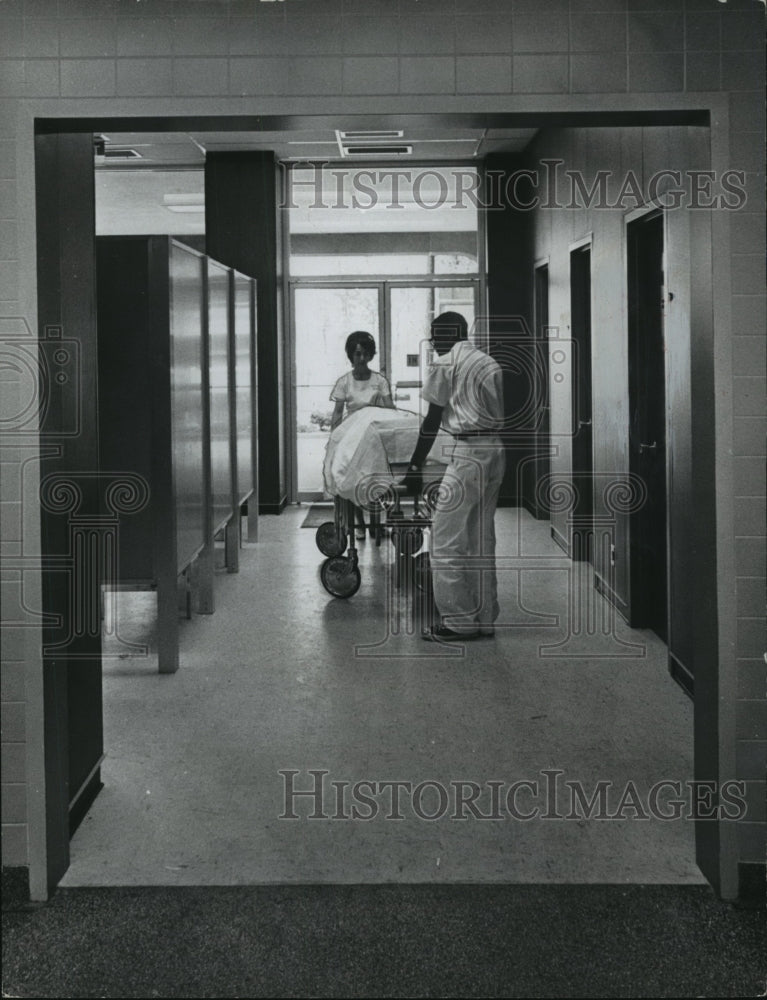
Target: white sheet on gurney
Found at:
366, 442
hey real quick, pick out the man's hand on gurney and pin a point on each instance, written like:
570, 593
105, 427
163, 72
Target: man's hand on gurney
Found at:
413, 481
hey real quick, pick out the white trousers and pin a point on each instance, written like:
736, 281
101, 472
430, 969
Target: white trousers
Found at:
463, 535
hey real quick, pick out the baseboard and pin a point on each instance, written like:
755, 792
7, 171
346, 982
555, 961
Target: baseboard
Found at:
603, 587
539, 513
752, 884
273, 508
682, 675
15, 886
561, 541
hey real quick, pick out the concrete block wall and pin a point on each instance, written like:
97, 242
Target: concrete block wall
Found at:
749, 362
235, 57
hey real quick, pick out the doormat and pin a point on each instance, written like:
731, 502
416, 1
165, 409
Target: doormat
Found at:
391, 940
318, 514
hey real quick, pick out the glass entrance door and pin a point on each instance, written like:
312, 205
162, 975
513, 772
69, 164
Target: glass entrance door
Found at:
398, 315
323, 317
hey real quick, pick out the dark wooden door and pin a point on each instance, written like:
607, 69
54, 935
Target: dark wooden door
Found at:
543, 428
581, 539
647, 432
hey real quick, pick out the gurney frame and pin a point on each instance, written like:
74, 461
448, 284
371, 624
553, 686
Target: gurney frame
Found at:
340, 574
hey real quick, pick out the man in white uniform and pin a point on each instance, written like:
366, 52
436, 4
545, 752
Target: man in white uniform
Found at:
464, 390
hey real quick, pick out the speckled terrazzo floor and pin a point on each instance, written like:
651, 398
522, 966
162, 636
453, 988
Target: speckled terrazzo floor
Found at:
285, 678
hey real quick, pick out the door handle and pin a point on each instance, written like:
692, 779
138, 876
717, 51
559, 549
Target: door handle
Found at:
648, 447
584, 423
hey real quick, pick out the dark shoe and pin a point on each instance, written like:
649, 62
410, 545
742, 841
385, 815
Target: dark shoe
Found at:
441, 633
360, 534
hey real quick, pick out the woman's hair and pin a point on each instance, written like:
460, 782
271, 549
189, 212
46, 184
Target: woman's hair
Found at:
364, 339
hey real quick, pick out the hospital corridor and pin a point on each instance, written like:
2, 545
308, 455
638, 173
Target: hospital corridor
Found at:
284, 677
382, 490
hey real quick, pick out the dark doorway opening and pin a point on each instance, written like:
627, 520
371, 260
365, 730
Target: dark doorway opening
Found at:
648, 589
581, 541
543, 423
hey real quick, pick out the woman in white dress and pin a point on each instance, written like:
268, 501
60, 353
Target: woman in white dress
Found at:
357, 388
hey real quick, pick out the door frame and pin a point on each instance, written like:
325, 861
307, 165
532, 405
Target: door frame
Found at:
711, 416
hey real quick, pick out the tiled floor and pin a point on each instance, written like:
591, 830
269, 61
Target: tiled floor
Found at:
284, 677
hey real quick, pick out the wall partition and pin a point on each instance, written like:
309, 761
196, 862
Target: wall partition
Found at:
174, 386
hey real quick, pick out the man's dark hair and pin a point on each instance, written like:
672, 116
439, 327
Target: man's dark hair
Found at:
364, 339
450, 326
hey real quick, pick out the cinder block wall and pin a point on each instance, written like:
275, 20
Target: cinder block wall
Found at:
194, 57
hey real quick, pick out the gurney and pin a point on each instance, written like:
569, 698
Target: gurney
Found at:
366, 457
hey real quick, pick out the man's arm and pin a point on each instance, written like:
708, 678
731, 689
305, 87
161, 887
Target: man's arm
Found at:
426, 436
429, 430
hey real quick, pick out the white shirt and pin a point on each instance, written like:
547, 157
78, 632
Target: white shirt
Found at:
357, 393
468, 384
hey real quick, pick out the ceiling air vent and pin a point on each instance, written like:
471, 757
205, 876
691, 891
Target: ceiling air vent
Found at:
372, 143
377, 150
368, 136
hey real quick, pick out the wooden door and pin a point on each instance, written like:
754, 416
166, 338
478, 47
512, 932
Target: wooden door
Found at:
581, 540
648, 590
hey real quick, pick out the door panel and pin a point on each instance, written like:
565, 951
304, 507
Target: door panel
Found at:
583, 455
647, 431
543, 429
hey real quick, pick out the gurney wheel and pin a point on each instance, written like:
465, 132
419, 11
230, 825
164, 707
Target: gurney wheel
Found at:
330, 541
422, 571
340, 576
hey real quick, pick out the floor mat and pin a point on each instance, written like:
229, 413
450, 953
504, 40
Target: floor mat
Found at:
318, 514
384, 941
